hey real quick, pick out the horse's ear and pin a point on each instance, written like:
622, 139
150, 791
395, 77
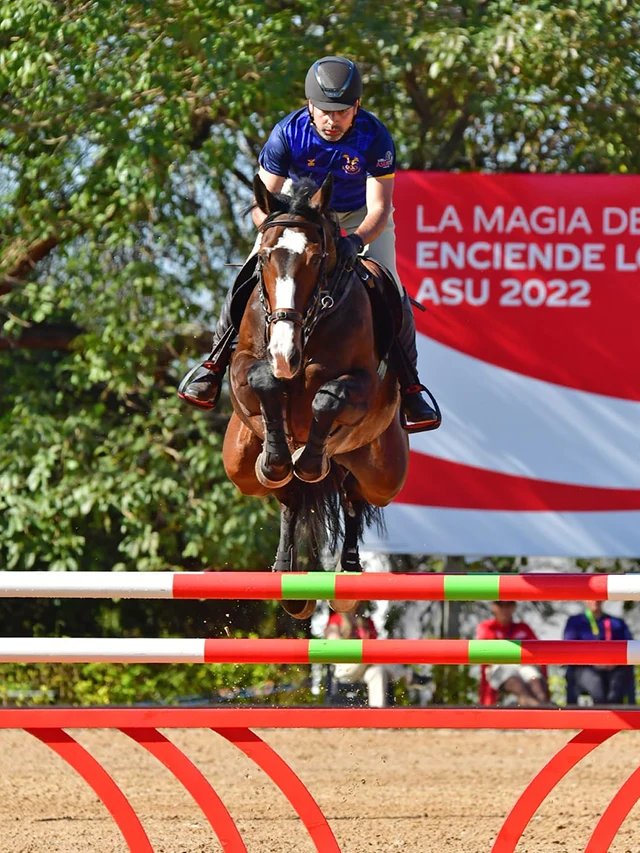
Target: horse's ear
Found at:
266, 201
322, 199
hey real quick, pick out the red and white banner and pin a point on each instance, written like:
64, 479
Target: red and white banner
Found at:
531, 343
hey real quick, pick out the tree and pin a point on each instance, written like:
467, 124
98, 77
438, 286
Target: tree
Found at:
129, 135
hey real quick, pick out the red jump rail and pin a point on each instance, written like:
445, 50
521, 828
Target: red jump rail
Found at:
237, 726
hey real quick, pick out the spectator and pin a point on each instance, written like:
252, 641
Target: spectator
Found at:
527, 683
358, 625
604, 684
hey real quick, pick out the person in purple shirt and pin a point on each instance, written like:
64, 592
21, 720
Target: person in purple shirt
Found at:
605, 684
331, 135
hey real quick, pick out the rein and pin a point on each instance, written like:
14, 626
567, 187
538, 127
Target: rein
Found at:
321, 300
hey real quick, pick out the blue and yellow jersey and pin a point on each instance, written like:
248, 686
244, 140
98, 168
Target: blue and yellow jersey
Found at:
296, 150
584, 626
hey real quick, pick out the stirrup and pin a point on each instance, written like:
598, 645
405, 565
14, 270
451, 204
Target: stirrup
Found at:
421, 426
200, 404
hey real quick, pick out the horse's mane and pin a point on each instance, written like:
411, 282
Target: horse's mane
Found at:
297, 203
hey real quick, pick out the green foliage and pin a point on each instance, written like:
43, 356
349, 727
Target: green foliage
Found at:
454, 685
79, 684
92, 485
115, 684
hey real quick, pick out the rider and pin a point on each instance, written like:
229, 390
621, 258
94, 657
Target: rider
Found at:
331, 133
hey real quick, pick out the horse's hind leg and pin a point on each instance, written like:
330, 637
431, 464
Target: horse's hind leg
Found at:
273, 467
379, 468
354, 507
353, 528
286, 556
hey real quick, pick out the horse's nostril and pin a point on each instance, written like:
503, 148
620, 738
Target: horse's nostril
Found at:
294, 361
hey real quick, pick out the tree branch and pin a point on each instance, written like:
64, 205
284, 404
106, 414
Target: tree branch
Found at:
242, 178
25, 260
43, 336
422, 105
449, 148
59, 336
201, 124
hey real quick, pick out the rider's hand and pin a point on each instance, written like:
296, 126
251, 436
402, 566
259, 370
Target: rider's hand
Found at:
349, 248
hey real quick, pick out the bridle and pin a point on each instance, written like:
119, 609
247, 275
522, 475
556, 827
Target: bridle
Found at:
321, 298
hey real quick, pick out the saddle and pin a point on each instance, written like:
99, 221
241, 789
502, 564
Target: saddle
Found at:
241, 290
386, 302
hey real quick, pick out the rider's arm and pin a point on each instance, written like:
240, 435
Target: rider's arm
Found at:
274, 184
379, 196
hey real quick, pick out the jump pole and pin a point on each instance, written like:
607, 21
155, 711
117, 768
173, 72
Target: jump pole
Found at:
240, 651
275, 586
237, 725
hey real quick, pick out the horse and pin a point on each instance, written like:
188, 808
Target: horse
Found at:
315, 419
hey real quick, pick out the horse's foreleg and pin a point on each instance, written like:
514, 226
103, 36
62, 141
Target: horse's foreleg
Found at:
240, 450
342, 399
273, 467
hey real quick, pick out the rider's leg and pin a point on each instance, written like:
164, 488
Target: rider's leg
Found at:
201, 386
377, 681
516, 686
539, 688
418, 412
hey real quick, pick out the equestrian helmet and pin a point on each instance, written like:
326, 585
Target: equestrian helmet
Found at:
333, 83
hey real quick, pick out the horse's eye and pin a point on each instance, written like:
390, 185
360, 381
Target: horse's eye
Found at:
315, 260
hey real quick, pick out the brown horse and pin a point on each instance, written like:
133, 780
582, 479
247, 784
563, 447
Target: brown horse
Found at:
315, 419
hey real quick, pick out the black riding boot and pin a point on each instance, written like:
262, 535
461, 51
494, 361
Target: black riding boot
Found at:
417, 414
201, 386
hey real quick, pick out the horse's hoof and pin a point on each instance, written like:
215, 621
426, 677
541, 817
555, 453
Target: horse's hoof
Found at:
346, 606
313, 477
267, 482
299, 609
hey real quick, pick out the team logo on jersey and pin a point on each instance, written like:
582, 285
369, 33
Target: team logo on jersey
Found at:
311, 162
352, 166
386, 161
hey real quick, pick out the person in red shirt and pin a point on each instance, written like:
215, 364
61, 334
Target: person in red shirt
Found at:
527, 683
358, 625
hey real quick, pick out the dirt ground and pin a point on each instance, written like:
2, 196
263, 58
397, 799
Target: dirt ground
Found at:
382, 791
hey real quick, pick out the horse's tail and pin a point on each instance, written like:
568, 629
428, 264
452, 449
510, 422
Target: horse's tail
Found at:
319, 523
372, 516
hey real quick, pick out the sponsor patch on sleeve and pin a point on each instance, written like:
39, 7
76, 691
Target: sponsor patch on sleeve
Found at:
386, 161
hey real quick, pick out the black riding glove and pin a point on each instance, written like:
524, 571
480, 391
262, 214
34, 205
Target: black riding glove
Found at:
349, 248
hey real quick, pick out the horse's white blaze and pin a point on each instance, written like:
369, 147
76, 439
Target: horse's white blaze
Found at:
293, 241
282, 343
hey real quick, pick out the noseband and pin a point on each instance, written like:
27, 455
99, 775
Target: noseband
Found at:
321, 299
